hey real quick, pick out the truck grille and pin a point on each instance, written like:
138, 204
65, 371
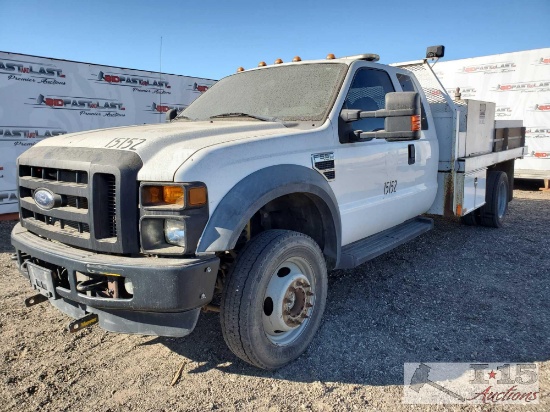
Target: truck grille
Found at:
63, 225
111, 205
73, 218
98, 189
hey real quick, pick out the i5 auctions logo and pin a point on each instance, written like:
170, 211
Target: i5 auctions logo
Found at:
542, 107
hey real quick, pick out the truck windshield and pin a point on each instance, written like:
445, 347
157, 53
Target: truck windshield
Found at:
302, 92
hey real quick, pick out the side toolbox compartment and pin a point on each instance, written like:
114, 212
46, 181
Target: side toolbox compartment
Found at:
473, 186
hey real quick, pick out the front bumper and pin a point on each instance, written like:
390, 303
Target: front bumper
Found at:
168, 292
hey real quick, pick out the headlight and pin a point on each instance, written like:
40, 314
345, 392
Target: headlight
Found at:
174, 232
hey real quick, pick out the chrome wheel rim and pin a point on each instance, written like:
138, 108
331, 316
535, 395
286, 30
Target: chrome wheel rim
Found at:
288, 301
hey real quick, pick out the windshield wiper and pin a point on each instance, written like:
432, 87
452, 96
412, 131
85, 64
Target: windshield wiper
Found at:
238, 114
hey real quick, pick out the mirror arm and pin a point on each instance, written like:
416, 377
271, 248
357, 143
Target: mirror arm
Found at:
391, 136
349, 115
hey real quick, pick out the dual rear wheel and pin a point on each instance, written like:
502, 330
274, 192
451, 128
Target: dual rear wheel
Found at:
497, 194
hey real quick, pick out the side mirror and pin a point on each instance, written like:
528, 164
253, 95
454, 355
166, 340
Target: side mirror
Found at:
171, 115
434, 52
402, 117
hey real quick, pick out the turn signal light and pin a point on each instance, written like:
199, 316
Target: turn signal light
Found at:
162, 195
415, 123
196, 196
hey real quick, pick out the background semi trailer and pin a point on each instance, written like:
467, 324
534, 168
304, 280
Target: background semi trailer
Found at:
42, 97
245, 200
519, 84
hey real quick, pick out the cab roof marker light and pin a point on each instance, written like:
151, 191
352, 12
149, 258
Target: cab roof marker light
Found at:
278, 61
297, 59
330, 56
240, 69
262, 64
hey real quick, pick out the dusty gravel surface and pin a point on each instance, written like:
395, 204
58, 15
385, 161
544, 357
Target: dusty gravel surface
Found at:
456, 294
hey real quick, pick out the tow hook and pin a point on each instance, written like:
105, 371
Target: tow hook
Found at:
82, 323
35, 300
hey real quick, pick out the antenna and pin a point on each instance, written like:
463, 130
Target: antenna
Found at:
160, 70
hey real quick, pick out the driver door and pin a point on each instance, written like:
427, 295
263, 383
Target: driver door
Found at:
362, 166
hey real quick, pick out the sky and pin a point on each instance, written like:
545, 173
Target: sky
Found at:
211, 39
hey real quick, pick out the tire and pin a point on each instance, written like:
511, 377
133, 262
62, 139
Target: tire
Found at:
279, 281
496, 200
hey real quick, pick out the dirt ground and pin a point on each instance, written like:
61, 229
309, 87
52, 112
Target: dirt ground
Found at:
456, 294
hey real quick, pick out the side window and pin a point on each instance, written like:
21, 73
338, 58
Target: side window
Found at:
408, 86
368, 92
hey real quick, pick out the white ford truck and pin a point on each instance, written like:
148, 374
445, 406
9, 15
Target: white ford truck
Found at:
242, 202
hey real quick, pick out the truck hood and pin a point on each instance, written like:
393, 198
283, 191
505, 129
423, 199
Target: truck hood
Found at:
163, 148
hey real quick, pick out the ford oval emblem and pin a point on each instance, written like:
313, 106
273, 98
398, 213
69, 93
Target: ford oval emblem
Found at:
44, 198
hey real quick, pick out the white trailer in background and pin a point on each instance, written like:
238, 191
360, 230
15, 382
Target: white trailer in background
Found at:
42, 97
519, 84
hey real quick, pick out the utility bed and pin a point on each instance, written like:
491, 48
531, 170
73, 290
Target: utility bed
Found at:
470, 142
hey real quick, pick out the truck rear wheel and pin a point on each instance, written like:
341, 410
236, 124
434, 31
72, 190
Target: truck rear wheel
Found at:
496, 200
274, 298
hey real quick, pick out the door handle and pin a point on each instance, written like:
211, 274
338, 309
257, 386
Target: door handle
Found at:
412, 154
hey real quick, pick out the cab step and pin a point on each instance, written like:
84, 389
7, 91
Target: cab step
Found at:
366, 249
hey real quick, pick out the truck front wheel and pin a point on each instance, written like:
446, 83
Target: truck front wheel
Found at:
274, 298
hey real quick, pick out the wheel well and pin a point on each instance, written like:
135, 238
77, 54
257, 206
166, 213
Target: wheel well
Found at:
300, 212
